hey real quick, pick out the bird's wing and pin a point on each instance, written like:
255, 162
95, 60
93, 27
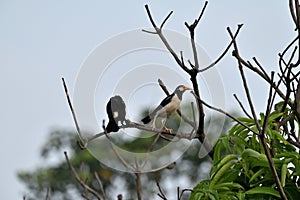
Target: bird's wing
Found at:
162, 104
109, 110
167, 100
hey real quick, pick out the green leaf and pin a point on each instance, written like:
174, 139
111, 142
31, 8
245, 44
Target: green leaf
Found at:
263, 190
257, 174
278, 135
250, 153
274, 115
217, 176
247, 120
283, 174
227, 186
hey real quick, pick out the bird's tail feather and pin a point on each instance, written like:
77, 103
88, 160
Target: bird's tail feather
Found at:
146, 120
112, 126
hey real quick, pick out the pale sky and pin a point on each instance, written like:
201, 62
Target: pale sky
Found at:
42, 41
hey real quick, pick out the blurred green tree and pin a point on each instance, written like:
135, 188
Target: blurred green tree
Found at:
59, 178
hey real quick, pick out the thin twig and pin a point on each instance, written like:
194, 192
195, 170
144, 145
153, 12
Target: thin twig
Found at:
161, 193
194, 118
72, 109
100, 185
265, 145
292, 12
227, 114
191, 29
224, 52
123, 161
242, 107
268, 110
78, 179
164, 40
138, 185
165, 20
236, 52
260, 66
182, 192
151, 148
48, 194
289, 46
296, 6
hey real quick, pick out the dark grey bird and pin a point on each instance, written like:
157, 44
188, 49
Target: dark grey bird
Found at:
116, 112
167, 106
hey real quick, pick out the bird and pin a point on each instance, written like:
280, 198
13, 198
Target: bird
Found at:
166, 107
116, 112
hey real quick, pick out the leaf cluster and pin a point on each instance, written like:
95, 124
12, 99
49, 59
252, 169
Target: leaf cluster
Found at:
241, 170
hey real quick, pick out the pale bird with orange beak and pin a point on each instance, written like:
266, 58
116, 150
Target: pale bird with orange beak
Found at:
167, 106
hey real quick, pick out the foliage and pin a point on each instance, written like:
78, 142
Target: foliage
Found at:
241, 170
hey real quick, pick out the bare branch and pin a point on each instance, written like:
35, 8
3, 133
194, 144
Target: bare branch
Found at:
165, 20
164, 40
123, 161
295, 143
297, 101
182, 192
296, 6
151, 148
138, 185
291, 6
289, 46
161, 193
224, 52
194, 117
236, 52
72, 109
227, 114
48, 194
268, 110
78, 179
192, 34
242, 107
100, 185
260, 67
163, 87
151, 32
150, 17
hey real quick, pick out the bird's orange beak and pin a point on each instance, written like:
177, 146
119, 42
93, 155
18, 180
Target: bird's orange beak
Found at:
187, 88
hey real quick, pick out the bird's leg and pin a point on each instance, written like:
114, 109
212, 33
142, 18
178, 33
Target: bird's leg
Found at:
123, 123
153, 123
163, 122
